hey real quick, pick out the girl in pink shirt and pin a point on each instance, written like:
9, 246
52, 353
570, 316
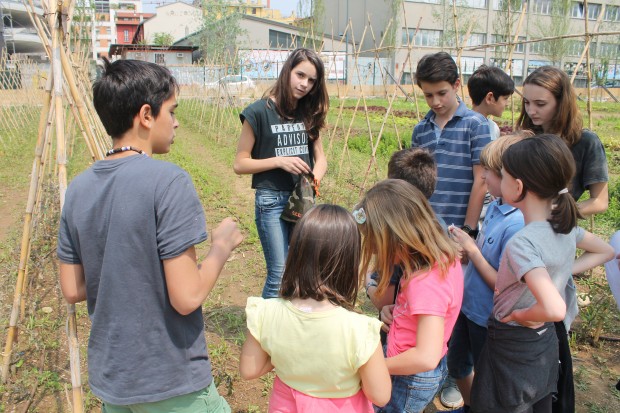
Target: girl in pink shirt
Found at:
399, 228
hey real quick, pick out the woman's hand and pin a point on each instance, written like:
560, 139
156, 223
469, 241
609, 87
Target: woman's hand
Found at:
292, 164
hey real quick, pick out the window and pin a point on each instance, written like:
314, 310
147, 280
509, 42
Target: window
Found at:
607, 50
476, 39
576, 10
160, 58
102, 6
498, 38
541, 6
593, 11
477, 4
612, 14
423, 37
281, 40
516, 5
540, 48
425, 1
125, 35
574, 48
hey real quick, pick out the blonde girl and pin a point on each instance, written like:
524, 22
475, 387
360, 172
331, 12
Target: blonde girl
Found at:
399, 228
280, 139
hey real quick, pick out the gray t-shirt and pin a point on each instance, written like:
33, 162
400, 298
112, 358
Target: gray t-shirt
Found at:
535, 246
121, 218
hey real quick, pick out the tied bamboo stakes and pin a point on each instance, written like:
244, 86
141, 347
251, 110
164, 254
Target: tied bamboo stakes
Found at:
60, 78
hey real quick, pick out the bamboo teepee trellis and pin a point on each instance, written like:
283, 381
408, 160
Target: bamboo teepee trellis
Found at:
52, 119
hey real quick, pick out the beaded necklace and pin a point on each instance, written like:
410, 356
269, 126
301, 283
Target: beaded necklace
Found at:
124, 149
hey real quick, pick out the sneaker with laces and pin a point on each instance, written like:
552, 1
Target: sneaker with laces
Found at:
450, 394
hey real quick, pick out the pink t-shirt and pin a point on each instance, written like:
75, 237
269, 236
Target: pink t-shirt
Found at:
425, 294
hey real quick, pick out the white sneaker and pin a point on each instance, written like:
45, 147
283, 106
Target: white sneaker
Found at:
450, 394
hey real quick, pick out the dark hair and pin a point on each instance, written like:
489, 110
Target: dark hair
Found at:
437, 67
545, 166
489, 79
314, 106
567, 123
124, 87
323, 257
416, 166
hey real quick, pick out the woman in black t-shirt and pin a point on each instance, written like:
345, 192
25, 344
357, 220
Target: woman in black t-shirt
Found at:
279, 141
550, 106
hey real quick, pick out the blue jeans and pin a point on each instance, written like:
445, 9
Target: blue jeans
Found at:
274, 235
465, 347
411, 394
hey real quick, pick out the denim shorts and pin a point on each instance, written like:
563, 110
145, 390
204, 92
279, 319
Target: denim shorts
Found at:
411, 394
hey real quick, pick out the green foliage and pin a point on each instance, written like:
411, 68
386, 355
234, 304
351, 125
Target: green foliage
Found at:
611, 218
163, 39
220, 30
555, 49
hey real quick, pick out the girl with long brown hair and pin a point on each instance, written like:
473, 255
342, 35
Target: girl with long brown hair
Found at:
280, 140
550, 106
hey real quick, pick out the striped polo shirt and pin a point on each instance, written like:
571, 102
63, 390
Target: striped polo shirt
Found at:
456, 149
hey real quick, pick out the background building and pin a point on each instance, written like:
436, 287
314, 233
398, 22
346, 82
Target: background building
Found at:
429, 26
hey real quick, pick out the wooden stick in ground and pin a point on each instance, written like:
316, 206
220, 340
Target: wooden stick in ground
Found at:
25, 244
61, 162
36, 177
588, 36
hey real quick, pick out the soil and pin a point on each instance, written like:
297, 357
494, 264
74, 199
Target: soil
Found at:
42, 383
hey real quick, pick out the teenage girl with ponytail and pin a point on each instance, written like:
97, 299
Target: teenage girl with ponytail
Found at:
518, 367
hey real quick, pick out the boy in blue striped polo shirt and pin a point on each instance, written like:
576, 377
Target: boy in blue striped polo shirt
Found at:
455, 135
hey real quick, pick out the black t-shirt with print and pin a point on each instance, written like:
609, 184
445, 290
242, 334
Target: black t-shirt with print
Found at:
276, 137
590, 163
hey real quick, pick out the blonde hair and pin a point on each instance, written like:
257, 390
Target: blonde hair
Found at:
401, 229
491, 155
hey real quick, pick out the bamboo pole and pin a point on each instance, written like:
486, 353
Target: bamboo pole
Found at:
588, 39
56, 27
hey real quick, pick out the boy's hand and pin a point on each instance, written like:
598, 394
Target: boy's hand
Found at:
227, 235
386, 317
462, 238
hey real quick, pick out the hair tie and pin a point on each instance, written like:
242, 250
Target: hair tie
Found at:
563, 191
360, 216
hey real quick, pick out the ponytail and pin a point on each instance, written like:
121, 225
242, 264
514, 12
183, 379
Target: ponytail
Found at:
564, 214
546, 166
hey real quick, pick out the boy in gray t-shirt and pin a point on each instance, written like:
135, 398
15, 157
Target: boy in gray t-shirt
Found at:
126, 245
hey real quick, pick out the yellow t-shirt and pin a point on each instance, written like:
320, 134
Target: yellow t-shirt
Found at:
316, 353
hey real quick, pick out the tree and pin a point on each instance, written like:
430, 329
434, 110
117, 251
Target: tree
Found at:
504, 25
311, 24
163, 39
220, 31
559, 24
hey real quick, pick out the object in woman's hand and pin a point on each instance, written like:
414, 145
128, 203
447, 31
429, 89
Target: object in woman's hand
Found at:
301, 200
